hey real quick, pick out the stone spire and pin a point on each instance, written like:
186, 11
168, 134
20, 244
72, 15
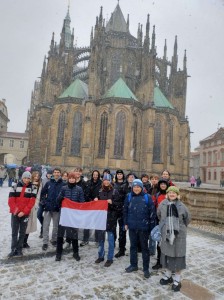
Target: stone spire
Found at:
117, 21
175, 57
66, 36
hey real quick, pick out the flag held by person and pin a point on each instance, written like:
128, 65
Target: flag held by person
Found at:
87, 215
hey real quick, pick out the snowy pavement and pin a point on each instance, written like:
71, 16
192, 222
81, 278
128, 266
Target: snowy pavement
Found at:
39, 276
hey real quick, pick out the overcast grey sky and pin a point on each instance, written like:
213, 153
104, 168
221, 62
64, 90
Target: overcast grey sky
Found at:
27, 26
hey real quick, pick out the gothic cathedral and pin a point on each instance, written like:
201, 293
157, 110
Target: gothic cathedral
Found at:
113, 104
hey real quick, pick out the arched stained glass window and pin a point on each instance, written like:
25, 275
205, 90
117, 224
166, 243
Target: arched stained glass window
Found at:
103, 134
61, 129
134, 145
157, 142
119, 135
76, 133
171, 144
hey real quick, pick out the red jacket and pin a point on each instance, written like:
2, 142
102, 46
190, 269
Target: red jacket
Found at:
158, 198
22, 198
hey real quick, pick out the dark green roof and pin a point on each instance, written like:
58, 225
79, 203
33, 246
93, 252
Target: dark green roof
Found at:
77, 89
160, 100
117, 21
119, 90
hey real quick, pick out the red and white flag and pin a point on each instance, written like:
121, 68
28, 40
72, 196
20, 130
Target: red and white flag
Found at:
87, 215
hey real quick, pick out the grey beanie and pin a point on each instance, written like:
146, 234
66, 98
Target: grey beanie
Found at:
26, 174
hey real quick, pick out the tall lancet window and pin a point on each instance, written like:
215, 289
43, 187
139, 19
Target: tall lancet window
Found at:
157, 142
76, 134
119, 135
171, 144
61, 129
134, 145
103, 134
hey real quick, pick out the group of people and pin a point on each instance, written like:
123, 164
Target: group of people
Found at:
195, 181
12, 173
135, 205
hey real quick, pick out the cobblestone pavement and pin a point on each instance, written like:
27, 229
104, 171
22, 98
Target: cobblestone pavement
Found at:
38, 276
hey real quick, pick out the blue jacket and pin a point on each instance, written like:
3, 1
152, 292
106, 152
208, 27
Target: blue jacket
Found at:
71, 191
50, 193
139, 214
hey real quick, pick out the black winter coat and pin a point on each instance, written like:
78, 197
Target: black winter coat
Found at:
93, 189
72, 192
112, 208
49, 194
83, 184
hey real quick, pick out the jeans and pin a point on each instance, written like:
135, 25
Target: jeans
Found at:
101, 252
143, 237
19, 226
10, 181
48, 215
1, 181
40, 214
152, 247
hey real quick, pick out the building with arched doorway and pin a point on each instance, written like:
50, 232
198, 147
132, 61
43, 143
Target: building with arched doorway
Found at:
13, 145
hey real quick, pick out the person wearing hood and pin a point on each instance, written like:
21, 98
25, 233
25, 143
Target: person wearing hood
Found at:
21, 201
175, 217
49, 196
163, 185
139, 219
119, 181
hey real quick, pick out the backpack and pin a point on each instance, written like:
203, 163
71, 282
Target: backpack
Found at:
156, 234
145, 196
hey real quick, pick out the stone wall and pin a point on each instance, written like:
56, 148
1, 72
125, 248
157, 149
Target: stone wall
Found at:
206, 205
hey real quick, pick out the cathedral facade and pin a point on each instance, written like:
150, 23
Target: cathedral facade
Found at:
113, 104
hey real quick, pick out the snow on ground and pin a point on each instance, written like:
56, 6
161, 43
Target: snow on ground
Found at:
44, 278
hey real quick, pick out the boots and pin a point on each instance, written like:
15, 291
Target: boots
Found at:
157, 266
120, 253
25, 244
41, 233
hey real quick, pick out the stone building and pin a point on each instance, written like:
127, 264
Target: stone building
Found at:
13, 145
114, 103
212, 158
3, 116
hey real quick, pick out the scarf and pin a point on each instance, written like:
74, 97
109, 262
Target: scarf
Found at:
172, 222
